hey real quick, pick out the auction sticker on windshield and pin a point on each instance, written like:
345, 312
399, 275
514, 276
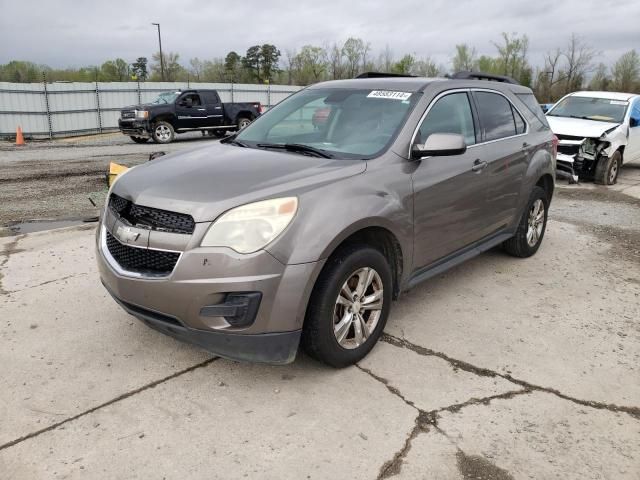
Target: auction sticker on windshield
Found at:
389, 95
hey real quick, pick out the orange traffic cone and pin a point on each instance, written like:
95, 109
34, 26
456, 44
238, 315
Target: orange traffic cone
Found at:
19, 137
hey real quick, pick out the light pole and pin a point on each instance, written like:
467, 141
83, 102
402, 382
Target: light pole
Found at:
161, 57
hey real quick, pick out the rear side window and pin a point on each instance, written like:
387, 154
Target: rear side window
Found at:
496, 116
450, 114
533, 106
210, 98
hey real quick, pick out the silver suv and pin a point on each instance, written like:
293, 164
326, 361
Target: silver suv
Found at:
303, 227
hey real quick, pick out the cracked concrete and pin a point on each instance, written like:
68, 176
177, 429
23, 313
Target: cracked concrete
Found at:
499, 369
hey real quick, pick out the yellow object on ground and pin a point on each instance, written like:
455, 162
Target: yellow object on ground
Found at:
115, 170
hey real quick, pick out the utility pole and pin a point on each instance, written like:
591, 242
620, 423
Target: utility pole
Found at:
161, 56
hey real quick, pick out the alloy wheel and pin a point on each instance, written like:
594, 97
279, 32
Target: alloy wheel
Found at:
163, 132
535, 222
358, 308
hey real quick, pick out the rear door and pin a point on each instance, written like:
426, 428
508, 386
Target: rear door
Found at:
449, 191
214, 108
190, 111
506, 149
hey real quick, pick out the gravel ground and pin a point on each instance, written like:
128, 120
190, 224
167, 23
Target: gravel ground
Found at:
53, 179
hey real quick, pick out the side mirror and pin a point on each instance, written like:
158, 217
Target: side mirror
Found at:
440, 144
634, 122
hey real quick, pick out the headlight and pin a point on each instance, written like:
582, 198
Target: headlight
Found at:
250, 227
588, 146
142, 114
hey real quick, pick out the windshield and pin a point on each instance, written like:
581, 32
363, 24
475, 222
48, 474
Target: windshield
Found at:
589, 108
166, 97
339, 123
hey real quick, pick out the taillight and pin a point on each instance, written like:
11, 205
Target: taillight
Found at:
554, 144
259, 108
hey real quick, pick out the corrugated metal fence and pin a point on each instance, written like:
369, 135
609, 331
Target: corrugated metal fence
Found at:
48, 110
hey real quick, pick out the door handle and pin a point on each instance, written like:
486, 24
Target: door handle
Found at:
202, 109
478, 165
218, 108
526, 146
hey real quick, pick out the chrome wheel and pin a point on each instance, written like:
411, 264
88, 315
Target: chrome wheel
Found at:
243, 123
163, 133
535, 223
358, 308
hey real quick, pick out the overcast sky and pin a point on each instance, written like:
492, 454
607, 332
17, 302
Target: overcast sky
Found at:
64, 33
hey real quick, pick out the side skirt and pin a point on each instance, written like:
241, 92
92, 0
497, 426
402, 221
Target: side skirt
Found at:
456, 258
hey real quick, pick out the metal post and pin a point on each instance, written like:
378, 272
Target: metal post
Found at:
46, 103
161, 56
232, 90
98, 108
269, 94
139, 96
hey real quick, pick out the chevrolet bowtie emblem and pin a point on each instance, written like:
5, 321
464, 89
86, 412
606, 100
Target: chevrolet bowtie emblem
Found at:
126, 235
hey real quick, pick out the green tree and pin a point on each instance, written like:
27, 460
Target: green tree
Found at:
139, 68
600, 80
173, 71
464, 59
353, 50
232, 65
269, 56
309, 66
626, 72
251, 62
404, 66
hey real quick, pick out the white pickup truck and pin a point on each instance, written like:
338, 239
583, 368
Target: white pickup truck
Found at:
597, 132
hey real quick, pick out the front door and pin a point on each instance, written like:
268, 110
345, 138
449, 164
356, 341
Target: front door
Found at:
449, 191
190, 111
632, 150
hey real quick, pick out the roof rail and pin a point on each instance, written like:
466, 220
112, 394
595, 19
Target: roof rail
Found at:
469, 75
382, 75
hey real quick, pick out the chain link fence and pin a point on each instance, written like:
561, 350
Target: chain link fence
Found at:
59, 109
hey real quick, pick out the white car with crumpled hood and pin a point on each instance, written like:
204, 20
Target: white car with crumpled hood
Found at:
597, 132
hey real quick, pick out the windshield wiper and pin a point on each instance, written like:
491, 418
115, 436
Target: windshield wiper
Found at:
296, 147
232, 141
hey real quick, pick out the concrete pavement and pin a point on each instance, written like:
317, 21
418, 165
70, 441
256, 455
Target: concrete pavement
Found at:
499, 369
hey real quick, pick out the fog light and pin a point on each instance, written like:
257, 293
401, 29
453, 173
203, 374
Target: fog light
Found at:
239, 309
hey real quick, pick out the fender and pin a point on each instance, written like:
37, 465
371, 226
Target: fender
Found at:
541, 163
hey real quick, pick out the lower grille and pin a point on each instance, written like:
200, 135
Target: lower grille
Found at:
568, 149
141, 260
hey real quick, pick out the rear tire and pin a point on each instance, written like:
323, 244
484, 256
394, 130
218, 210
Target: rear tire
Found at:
139, 139
532, 226
349, 306
163, 132
243, 122
607, 169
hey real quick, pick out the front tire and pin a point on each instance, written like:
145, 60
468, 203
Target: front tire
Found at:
349, 306
532, 226
139, 139
607, 169
163, 132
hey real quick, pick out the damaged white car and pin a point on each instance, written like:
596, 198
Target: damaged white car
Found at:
597, 132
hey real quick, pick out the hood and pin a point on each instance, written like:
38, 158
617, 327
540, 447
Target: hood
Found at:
578, 127
207, 181
142, 106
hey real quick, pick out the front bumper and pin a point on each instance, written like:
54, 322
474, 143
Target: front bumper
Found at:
134, 128
204, 277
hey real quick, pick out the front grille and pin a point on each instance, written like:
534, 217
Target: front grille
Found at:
127, 114
141, 260
568, 137
568, 149
151, 218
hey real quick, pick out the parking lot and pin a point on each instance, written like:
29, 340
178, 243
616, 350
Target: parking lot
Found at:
501, 368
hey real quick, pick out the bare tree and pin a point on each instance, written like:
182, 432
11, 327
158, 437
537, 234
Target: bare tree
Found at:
353, 50
334, 54
600, 80
578, 57
386, 59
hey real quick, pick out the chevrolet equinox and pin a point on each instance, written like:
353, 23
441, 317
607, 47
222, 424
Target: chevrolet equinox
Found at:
296, 231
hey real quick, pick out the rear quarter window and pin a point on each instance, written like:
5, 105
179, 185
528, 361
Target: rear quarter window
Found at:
529, 100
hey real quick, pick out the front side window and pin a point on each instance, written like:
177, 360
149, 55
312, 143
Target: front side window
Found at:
194, 97
496, 116
340, 122
450, 114
590, 108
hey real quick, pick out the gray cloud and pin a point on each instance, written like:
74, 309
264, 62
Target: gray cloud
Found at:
73, 33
